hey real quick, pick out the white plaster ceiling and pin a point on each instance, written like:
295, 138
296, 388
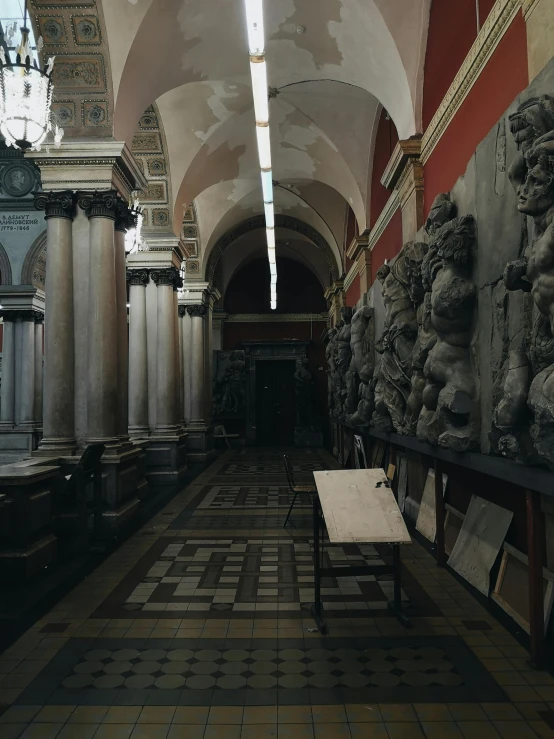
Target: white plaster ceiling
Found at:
190, 58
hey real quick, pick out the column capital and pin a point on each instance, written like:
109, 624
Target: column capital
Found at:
197, 310
166, 277
56, 204
125, 218
182, 310
138, 276
23, 314
99, 204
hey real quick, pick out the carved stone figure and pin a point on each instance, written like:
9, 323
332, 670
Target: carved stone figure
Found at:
450, 412
344, 384
229, 394
360, 398
330, 354
532, 173
396, 343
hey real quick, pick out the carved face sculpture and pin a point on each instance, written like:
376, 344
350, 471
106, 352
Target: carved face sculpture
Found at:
346, 314
536, 194
454, 240
533, 118
441, 211
383, 272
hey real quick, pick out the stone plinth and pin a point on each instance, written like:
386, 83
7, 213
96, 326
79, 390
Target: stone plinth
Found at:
27, 543
166, 458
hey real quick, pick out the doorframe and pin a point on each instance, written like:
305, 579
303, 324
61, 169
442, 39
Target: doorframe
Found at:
259, 351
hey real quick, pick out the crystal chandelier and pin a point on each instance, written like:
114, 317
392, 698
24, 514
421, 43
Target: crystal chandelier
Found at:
26, 90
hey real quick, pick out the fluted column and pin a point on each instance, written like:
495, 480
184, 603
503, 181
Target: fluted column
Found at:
138, 354
39, 318
197, 364
58, 415
25, 367
167, 396
102, 395
124, 220
7, 397
180, 364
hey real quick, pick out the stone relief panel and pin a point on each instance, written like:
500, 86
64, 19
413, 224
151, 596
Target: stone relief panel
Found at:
229, 393
465, 358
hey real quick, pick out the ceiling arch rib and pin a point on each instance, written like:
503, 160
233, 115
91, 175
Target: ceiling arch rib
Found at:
288, 223
217, 215
351, 41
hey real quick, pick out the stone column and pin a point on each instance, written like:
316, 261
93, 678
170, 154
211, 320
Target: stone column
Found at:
138, 354
102, 395
58, 416
7, 397
181, 360
197, 369
124, 220
39, 318
186, 327
26, 368
167, 412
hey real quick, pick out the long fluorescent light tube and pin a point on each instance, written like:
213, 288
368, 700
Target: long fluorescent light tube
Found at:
255, 26
273, 279
271, 256
273, 269
270, 236
258, 70
264, 146
269, 215
267, 186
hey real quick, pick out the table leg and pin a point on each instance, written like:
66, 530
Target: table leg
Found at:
317, 608
535, 539
396, 604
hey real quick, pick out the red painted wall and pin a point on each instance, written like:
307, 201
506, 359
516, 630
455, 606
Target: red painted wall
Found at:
504, 77
452, 31
385, 141
353, 293
388, 245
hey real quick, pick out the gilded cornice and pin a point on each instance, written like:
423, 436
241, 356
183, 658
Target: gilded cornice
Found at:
403, 151
358, 243
493, 29
351, 276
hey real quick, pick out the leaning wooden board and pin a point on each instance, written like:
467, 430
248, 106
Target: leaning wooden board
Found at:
358, 510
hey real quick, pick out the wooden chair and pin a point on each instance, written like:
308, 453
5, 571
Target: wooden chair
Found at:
87, 470
296, 489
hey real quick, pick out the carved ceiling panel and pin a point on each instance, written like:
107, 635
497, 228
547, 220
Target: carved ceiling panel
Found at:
74, 33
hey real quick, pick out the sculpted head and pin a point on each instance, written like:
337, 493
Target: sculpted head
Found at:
414, 254
455, 239
383, 272
442, 210
346, 313
536, 193
532, 119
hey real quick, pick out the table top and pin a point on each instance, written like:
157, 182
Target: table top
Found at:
359, 508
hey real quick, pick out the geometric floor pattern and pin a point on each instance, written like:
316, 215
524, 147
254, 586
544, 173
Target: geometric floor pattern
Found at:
198, 626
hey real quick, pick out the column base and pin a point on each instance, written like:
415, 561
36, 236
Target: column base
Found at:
18, 441
200, 443
166, 457
60, 447
139, 432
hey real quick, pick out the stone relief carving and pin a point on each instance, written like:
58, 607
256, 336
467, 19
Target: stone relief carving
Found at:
362, 344
450, 413
523, 420
344, 380
229, 388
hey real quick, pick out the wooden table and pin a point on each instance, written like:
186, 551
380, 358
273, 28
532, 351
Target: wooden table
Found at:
357, 507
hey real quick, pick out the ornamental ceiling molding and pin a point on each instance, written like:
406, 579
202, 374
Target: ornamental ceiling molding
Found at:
258, 222
149, 150
74, 32
492, 31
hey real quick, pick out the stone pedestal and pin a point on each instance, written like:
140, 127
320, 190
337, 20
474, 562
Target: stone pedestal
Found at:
27, 544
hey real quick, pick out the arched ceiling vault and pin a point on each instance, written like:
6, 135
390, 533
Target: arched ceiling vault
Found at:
334, 63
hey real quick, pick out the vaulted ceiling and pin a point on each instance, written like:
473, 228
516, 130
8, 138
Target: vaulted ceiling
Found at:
334, 65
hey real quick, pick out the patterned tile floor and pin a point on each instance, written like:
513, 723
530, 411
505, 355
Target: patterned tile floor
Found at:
198, 627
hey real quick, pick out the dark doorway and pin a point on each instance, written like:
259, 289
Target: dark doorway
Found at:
275, 404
